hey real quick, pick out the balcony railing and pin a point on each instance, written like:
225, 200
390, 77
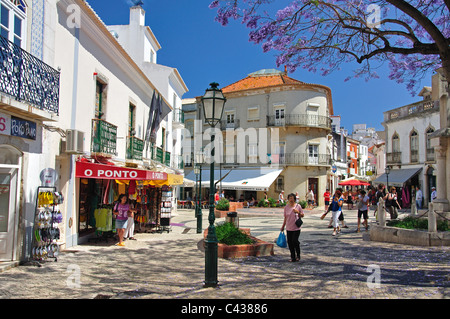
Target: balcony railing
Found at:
27, 78
135, 147
430, 155
394, 157
411, 110
104, 137
178, 116
294, 159
414, 156
224, 124
302, 120
167, 158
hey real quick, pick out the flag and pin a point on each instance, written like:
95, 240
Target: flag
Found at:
161, 111
150, 119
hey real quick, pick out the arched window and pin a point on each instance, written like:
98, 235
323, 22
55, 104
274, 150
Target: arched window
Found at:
414, 146
429, 149
395, 143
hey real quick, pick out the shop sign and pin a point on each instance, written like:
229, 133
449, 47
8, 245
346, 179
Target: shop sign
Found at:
14, 126
101, 171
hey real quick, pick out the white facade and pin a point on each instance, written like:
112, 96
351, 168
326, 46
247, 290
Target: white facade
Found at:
141, 44
99, 82
408, 145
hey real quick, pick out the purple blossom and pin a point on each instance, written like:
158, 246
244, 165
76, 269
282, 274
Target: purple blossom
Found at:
309, 34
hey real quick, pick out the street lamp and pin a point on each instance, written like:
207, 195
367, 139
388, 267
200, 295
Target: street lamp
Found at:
198, 205
213, 103
387, 170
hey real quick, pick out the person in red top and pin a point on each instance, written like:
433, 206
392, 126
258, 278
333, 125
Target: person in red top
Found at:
216, 197
327, 196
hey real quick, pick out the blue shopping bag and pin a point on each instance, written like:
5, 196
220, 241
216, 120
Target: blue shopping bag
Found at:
281, 241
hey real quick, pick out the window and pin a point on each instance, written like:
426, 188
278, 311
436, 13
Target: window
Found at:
253, 113
230, 118
12, 15
430, 149
131, 120
414, 146
99, 100
17, 31
5, 22
279, 186
313, 154
395, 143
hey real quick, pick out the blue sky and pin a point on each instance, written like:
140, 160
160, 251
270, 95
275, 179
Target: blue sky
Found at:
203, 51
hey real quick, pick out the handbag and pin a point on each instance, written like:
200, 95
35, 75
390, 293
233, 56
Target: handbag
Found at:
281, 241
299, 222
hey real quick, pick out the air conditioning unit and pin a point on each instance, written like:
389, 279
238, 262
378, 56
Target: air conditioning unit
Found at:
74, 141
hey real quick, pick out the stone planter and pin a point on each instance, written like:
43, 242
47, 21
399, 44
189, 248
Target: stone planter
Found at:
259, 248
413, 237
233, 207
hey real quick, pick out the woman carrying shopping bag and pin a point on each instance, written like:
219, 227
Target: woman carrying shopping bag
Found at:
292, 212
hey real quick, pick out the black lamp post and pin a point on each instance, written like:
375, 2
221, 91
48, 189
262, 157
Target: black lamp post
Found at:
387, 170
213, 103
198, 202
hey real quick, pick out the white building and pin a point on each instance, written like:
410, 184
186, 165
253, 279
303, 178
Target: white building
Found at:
409, 152
274, 137
84, 116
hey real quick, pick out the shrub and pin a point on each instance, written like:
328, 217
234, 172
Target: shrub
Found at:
223, 204
303, 203
263, 203
272, 202
410, 222
228, 234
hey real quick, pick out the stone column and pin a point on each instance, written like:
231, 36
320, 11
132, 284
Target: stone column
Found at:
441, 202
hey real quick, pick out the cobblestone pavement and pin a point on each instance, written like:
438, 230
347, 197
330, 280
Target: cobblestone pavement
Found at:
171, 265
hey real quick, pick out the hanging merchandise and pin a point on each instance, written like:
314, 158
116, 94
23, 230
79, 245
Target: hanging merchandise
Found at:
166, 209
46, 224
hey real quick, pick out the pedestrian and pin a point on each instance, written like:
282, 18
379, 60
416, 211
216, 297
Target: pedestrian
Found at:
336, 209
419, 197
433, 193
281, 197
363, 207
216, 197
292, 212
129, 231
326, 197
392, 204
341, 216
297, 197
379, 194
310, 198
121, 210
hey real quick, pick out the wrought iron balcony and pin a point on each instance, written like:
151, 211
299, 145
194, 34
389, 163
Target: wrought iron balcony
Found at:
394, 158
301, 120
430, 155
27, 78
292, 159
178, 116
135, 147
104, 137
224, 124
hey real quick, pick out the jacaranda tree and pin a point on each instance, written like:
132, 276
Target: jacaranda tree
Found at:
413, 36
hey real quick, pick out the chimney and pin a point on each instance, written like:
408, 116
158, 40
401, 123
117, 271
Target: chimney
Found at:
137, 16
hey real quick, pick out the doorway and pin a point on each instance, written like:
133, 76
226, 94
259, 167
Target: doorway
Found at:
10, 160
313, 183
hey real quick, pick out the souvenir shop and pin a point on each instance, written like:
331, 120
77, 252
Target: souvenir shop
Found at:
149, 193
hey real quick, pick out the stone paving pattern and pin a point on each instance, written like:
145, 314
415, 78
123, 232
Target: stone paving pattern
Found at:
171, 265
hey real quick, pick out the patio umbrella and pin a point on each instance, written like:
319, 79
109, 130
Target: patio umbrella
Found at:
353, 182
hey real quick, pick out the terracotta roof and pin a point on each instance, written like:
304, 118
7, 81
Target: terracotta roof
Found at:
261, 79
267, 78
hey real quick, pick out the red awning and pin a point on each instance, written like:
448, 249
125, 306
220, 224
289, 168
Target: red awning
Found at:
102, 171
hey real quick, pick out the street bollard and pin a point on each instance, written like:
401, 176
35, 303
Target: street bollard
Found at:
432, 224
381, 213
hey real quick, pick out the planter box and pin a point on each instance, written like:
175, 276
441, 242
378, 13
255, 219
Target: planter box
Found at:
234, 206
408, 236
259, 248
